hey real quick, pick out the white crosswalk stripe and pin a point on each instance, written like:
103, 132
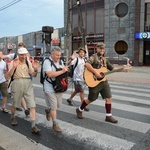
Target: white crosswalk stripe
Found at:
22, 144
122, 94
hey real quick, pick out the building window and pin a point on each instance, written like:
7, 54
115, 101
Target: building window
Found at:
147, 17
121, 47
100, 20
121, 9
90, 21
75, 24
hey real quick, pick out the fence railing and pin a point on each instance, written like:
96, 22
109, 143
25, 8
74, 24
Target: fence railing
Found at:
119, 60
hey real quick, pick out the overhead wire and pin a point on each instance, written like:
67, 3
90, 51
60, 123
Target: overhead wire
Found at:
9, 4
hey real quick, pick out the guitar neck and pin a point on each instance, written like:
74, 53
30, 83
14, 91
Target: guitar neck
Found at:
117, 70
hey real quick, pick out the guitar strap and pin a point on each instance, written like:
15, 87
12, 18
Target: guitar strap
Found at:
104, 62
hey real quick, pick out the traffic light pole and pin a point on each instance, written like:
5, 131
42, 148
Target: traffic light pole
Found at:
44, 44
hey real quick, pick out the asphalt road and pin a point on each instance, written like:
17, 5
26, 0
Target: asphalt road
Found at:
131, 106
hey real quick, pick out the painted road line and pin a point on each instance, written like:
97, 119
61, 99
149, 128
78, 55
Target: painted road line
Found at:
124, 123
10, 137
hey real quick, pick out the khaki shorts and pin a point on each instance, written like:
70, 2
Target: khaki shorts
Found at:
3, 89
53, 100
22, 88
103, 88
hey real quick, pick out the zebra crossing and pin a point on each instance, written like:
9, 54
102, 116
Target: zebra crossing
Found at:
131, 107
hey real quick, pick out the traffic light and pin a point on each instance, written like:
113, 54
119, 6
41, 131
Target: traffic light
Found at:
48, 30
48, 38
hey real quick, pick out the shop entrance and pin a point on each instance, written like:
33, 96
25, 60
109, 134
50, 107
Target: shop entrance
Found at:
146, 55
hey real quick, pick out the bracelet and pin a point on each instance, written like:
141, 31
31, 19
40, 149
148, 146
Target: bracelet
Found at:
35, 71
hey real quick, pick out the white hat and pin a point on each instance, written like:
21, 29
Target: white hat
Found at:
22, 51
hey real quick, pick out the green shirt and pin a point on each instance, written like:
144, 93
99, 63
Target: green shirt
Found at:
95, 61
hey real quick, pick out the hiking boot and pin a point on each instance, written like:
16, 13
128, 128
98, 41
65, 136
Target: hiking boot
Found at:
56, 128
86, 109
111, 119
48, 116
79, 113
27, 112
14, 122
69, 102
35, 130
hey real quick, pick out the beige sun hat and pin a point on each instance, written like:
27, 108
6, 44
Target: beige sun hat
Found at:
22, 51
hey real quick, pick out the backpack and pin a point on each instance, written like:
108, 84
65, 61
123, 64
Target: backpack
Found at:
72, 68
12, 77
60, 84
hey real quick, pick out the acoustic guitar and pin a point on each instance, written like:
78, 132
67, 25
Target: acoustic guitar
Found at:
92, 81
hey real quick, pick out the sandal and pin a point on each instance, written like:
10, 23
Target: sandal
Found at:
5, 110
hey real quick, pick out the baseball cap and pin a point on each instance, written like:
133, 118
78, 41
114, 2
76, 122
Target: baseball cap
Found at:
100, 45
22, 51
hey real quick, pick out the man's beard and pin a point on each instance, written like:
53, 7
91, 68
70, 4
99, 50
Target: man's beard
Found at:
100, 55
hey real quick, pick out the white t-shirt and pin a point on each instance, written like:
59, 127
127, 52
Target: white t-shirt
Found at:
78, 71
2, 69
11, 56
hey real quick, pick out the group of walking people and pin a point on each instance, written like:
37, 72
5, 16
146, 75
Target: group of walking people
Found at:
21, 87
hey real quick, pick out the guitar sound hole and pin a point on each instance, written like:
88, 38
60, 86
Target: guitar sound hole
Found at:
102, 76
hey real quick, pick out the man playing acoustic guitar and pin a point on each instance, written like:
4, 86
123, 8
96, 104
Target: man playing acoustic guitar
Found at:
96, 66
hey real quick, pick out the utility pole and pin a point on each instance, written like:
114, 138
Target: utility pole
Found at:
68, 28
82, 30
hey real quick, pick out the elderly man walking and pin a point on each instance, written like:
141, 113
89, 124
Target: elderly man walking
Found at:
21, 86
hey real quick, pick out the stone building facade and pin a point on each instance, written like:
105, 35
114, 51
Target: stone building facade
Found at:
115, 22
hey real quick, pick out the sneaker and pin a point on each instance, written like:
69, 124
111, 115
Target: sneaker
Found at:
86, 109
14, 122
19, 109
35, 130
69, 102
56, 128
48, 116
111, 119
27, 112
79, 113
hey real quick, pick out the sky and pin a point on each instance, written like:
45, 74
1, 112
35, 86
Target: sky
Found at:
29, 16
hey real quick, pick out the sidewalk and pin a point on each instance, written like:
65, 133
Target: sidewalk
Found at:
139, 75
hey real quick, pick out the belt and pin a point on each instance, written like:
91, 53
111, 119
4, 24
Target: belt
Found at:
21, 78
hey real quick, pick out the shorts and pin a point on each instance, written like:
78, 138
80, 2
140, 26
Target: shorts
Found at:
22, 88
78, 85
3, 88
53, 100
103, 88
